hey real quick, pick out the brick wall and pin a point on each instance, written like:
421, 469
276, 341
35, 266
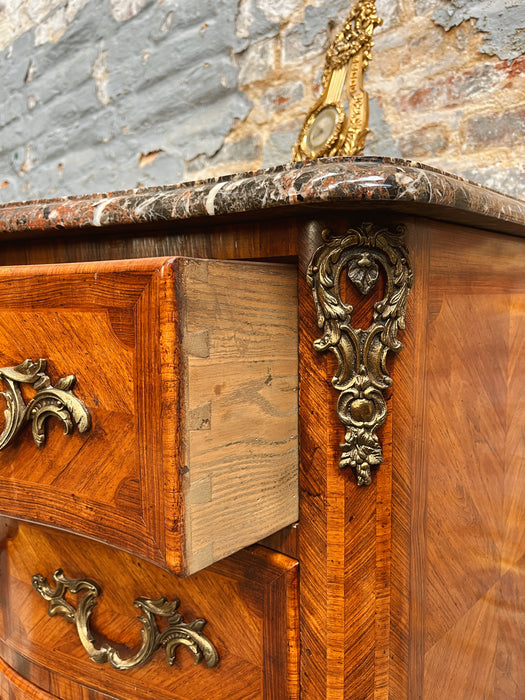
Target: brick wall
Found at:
100, 95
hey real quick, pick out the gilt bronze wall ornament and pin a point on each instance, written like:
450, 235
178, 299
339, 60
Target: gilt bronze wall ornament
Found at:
361, 354
177, 633
57, 401
328, 129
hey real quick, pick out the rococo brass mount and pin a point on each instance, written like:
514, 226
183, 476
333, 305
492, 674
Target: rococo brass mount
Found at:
176, 633
328, 130
58, 401
361, 354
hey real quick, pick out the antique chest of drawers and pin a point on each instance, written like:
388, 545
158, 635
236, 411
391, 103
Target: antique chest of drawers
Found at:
199, 502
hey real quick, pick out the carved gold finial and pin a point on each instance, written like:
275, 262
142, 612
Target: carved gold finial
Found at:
328, 130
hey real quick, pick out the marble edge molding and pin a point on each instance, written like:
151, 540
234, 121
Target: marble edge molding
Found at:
318, 182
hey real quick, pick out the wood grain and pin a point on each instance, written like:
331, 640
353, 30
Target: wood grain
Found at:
258, 237
86, 483
14, 687
154, 344
344, 534
467, 621
239, 342
420, 576
248, 600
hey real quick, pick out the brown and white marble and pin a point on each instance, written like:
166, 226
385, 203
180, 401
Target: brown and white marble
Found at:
336, 182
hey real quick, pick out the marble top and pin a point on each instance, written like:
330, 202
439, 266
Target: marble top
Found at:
341, 182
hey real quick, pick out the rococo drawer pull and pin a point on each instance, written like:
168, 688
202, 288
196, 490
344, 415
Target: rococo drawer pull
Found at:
58, 401
362, 375
177, 632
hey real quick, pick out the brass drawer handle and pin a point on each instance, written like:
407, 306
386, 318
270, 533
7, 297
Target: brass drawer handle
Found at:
176, 633
58, 401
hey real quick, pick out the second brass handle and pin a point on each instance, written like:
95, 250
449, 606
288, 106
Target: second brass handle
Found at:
177, 633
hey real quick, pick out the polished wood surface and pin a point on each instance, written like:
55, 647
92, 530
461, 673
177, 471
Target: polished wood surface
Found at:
256, 639
412, 587
345, 531
253, 238
189, 370
465, 456
14, 687
417, 583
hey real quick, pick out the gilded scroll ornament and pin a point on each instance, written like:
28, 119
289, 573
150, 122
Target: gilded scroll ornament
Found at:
361, 354
328, 129
49, 401
176, 633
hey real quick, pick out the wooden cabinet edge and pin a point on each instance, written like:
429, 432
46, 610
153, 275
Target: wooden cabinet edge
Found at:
18, 687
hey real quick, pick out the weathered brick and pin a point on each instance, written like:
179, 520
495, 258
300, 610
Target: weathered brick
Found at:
311, 37
278, 10
513, 71
244, 151
278, 147
427, 142
280, 97
501, 22
98, 96
507, 129
123, 10
390, 13
380, 141
256, 61
451, 90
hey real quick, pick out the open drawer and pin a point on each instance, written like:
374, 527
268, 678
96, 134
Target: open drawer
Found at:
185, 403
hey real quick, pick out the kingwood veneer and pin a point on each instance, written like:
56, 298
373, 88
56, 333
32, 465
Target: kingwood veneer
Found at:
176, 309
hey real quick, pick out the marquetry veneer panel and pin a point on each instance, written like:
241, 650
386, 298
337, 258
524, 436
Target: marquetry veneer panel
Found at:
189, 371
249, 602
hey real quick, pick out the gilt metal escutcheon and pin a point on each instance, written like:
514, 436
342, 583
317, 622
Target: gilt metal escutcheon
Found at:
361, 376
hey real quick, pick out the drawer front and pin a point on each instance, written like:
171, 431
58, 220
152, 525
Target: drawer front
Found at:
248, 602
188, 370
14, 687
